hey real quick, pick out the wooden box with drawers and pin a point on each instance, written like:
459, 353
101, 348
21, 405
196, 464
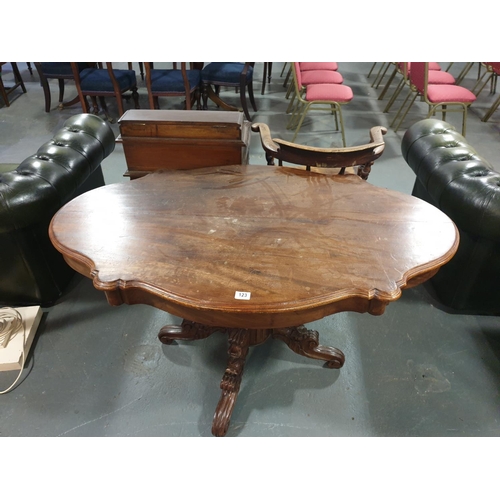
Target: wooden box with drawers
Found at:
163, 139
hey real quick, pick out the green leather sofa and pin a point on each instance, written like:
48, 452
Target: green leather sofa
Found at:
453, 177
32, 271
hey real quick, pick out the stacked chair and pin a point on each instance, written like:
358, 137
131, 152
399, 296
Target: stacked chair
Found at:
324, 90
439, 97
435, 77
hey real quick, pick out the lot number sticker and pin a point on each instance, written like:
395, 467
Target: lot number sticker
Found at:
242, 295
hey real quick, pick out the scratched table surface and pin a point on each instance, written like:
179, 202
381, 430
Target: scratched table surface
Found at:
253, 246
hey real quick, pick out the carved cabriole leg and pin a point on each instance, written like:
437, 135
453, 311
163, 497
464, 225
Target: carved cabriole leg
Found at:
305, 342
188, 330
239, 342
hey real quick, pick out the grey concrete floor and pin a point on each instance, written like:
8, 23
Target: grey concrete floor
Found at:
417, 370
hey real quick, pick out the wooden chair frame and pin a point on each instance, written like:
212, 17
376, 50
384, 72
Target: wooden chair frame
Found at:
244, 84
192, 95
46, 88
18, 82
117, 92
358, 159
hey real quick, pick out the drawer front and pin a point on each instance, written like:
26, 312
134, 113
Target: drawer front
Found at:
158, 155
181, 130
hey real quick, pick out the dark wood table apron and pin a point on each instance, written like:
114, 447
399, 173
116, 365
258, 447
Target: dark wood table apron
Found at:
254, 252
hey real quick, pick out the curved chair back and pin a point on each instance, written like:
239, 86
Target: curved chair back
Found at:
360, 158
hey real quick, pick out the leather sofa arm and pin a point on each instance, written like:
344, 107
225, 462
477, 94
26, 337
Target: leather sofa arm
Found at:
45, 181
455, 177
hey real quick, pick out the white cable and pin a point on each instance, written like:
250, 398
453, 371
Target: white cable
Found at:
10, 322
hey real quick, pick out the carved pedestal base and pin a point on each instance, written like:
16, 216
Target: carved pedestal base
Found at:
299, 339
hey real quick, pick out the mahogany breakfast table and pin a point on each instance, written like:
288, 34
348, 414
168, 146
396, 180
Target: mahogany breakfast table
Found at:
253, 252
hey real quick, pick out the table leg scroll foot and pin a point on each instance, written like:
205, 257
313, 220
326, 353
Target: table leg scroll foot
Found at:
188, 330
230, 384
306, 343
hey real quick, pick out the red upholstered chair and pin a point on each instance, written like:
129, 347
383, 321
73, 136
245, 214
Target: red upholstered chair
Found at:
313, 76
439, 97
436, 77
313, 66
320, 96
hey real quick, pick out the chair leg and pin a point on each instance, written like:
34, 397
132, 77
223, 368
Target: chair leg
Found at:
371, 69
339, 109
251, 96
380, 74
297, 110
398, 90
135, 97
61, 92
406, 112
95, 106
464, 121
463, 73
493, 108
119, 101
204, 94
17, 76
3, 92
388, 84
290, 104
46, 92
285, 83
304, 113
243, 99
292, 116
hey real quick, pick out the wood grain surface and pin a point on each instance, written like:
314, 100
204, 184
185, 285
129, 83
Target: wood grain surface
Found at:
302, 245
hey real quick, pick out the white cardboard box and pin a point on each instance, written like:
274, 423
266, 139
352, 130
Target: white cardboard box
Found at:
11, 356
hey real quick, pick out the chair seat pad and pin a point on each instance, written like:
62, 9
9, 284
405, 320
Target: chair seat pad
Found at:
224, 73
170, 80
440, 78
320, 76
449, 93
55, 69
95, 79
311, 66
328, 92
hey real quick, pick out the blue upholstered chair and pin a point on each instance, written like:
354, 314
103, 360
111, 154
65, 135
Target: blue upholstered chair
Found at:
228, 74
173, 82
61, 71
102, 82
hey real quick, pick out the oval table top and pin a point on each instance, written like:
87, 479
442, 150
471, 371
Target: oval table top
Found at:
253, 246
